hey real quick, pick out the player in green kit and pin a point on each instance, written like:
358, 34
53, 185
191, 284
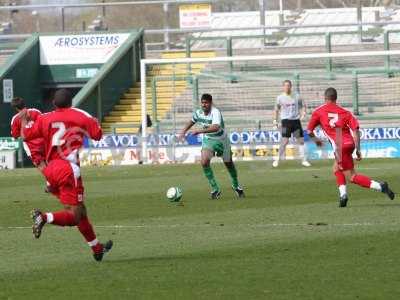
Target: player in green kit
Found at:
215, 142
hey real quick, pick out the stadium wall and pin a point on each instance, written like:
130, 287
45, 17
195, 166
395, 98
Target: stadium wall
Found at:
378, 142
33, 73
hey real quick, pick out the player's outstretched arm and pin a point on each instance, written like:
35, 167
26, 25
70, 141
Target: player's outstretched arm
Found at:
276, 116
357, 141
303, 112
94, 129
211, 129
315, 139
312, 124
354, 125
30, 131
185, 129
15, 129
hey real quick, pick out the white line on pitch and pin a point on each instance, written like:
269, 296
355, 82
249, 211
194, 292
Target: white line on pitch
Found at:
319, 224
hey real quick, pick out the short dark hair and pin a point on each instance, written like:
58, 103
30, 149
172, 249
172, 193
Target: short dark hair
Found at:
18, 103
331, 94
206, 97
287, 81
62, 98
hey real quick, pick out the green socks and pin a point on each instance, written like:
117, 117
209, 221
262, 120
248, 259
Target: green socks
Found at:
234, 177
208, 172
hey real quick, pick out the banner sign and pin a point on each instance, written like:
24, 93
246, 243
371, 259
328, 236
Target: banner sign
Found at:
246, 145
8, 90
191, 154
132, 156
86, 73
7, 159
195, 15
9, 143
79, 49
237, 138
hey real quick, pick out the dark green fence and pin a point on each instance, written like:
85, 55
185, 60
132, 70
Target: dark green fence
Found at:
23, 69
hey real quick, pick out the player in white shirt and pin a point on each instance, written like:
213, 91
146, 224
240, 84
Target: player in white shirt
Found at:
292, 109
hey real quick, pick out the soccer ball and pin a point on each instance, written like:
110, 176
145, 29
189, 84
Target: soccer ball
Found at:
174, 194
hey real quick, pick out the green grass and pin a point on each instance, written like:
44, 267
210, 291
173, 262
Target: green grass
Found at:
287, 240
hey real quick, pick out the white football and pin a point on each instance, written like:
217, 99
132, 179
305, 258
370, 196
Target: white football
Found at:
174, 194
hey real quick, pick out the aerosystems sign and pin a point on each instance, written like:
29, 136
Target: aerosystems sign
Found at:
79, 49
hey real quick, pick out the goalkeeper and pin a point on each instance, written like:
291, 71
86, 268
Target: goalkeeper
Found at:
292, 110
214, 142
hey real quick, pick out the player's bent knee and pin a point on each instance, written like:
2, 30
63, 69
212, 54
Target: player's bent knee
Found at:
350, 174
77, 210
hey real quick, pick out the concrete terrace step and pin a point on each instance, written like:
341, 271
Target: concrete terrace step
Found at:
118, 119
182, 66
135, 112
158, 95
149, 101
177, 72
182, 54
161, 89
135, 105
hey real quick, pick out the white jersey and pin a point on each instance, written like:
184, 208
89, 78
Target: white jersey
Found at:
289, 106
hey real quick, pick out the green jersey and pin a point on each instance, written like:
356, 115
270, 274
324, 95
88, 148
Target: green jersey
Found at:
213, 118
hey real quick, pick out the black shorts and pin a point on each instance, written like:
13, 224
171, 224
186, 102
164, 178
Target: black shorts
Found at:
290, 127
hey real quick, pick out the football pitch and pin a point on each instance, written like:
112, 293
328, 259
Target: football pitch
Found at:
287, 240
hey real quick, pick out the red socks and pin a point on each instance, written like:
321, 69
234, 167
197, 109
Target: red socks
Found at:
67, 218
361, 180
60, 218
358, 179
86, 229
340, 178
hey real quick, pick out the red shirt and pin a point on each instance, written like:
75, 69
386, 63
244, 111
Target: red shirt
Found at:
336, 122
34, 145
63, 131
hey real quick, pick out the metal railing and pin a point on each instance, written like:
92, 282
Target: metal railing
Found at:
229, 49
296, 76
103, 5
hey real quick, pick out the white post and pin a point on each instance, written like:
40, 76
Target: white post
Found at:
281, 6
144, 109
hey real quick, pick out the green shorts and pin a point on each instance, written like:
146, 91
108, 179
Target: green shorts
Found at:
218, 147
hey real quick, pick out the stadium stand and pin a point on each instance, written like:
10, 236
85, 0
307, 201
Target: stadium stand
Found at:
127, 112
256, 84
320, 17
248, 105
248, 100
